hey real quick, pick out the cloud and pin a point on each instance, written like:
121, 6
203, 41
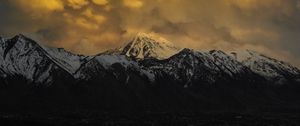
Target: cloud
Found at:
91, 26
100, 2
89, 13
38, 8
77, 4
133, 3
42, 5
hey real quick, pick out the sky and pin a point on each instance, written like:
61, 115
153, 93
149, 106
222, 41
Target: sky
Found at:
271, 27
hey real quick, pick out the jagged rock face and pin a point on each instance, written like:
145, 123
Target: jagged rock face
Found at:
21, 56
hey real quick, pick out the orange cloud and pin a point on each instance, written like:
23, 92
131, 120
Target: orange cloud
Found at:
89, 13
133, 3
100, 2
39, 6
77, 4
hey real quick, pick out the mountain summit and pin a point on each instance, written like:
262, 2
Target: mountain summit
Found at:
145, 46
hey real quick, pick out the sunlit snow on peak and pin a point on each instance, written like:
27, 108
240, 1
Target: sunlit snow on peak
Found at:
150, 46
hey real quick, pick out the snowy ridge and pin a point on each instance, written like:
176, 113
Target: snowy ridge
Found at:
104, 62
108, 60
149, 46
67, 60
190, 65
227, 63
266, 66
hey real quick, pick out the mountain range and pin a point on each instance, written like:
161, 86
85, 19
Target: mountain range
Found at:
148, 73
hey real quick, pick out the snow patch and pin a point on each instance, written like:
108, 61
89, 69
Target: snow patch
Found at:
108, 60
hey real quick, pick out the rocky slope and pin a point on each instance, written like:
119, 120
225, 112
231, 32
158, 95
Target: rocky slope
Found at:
21, 56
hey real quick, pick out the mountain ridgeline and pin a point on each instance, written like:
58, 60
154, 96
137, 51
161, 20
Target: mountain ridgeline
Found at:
147, 74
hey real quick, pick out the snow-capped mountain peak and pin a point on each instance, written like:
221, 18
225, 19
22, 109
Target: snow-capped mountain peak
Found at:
149, 46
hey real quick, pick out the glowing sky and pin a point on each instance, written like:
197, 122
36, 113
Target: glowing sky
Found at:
91, 26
